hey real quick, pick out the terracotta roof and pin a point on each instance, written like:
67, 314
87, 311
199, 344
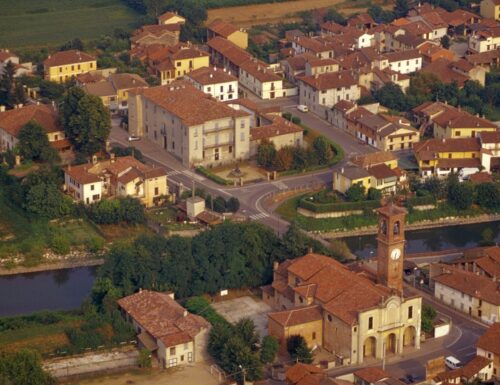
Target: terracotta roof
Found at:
443, 69
45, 115
484, 57
297, 316
373, 158
391, 209
382, 171
481, 177
455, 118
5, 54
417, 28
168, 15
187, 53
298, 371
410, 40
103, 88
489, 137
231, 51
298, 63
279, 126
211, 75
472, 284
474, 366
68, 57
222, 28
353, 172
125, 81
163, 317
490, 340
344, 106
156, 30
330, 80
448, 145
371, 375
191, 105
459, 163
259, 71
458, 17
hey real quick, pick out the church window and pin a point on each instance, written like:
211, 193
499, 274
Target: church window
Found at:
383, 227
396, 228
370, 323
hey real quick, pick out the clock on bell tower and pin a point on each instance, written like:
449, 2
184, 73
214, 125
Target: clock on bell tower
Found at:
390, 251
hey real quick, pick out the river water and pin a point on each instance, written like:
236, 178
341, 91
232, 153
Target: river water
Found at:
66, 289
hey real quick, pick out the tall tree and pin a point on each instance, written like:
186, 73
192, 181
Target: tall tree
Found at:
34, 143
297, 348
401, 8
11, 91
23, 368
87, 122
323, 149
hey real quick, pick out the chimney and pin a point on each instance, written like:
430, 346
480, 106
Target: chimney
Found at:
275, 265
112, 157
2, 108
185, 313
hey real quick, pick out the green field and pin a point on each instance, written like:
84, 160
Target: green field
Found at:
30, 23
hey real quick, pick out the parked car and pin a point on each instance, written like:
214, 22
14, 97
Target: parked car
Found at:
303, 108
452, 362
133, 138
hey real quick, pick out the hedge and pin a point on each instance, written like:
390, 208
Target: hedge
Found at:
213, 177
420, 201
305, 203
200, 306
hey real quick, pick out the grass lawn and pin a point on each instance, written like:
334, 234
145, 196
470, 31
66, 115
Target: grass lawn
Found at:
27, 23
166, 217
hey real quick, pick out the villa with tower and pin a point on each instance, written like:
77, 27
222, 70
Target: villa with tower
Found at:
347, 310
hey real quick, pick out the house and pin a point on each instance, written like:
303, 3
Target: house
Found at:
11, 122
220, 28
385, 132
277, 130
490, 9
321, 92
485, 261
172, 334
439, 157
404, 62
477, 369
377, 170
361, 21
64, 65
20, 69
116, 177
460, 71
226, 54
258, 79
475, 295
488, 346
431, 52
485, 40
347, 313
374, 375
113, 90
218, 82
337, 114
162, 34
189, 124
486, 59
306, 374
490, 143
295, 66
171, 18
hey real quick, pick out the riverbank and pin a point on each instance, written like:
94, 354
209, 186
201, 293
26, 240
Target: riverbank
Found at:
443, 222
51, 266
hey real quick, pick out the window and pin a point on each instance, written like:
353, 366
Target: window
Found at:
242, 136
91, 187
182, 358
157, 191
72, 68
79, 67
209, 89
301, 300
60, 69
178, 64
313, 335
172, 351
370, 323
242, 124
355, 329
230, 149
410, 312
457, 133
221, 88
329, 318
91, 65
173, 145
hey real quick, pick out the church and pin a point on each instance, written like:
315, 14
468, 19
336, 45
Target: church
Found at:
345, 310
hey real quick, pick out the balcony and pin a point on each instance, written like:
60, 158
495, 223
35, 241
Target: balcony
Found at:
217, 130
218, 144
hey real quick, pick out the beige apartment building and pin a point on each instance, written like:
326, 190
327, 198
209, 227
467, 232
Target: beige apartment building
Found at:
344, 310
189, 124
63, 66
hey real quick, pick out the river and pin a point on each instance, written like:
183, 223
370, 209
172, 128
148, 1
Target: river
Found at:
49, 290
66, 289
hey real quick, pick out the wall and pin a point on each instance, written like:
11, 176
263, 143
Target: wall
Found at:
60, 74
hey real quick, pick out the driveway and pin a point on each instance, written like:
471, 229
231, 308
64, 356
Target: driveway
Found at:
245, 307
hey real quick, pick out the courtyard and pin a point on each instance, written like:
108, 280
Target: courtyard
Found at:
245, 307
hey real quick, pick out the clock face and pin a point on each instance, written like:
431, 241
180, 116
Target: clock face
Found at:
395, 254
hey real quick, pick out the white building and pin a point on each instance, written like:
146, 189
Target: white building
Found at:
19, 68
219, 83
322, 92
259, 80
485, 41
404, 62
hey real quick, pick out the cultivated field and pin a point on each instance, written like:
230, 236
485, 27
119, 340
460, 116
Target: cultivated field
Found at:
248, 15
25, 23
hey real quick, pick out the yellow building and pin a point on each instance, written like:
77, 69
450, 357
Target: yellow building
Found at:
455, 123
229, 32
490, 9
181, 60
439, 157
345, 312
63, 66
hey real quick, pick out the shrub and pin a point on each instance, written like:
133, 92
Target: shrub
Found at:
220, 205
297, 348
336, 206
233, 204
94, 244
269, 349
215, 178
59, 243
296, 120
355, 193
144, 359
200, 306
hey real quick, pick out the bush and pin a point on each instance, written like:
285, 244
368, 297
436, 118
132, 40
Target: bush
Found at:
374, 194
94, 244
233, 204
336, 206
113, 211
296, 120
201, 306
59, 243
144, 359
355, 193
297, 348
269, 349
215, 178
220, 205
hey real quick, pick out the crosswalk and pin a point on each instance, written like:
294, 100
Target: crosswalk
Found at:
280, 185
193, 175
259, 216
174, 172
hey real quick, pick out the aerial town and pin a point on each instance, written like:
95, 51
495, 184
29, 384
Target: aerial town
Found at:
238, 192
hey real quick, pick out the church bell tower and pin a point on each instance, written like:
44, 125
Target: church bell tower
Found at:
390, 251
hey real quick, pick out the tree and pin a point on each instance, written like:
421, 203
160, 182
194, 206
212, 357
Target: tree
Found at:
86, 121
284, 158
460, 195
23, 368
269, 349
144, 359
445, 42
237, 357
233, 204
266, 154
340, 250
355, 193
220, 204
435, 186
401, 8
488, 195
323, 149
391, 96
245, 329
334, 16
374, 194
297, 347
34, 143
11, 90
428, 316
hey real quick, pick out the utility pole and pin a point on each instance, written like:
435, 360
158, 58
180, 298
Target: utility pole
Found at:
243, 371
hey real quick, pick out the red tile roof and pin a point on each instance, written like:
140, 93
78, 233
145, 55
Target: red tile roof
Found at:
330, 80
371, 375
68, 57
222, 28
298, 371
231, 51
211, 75
163, 317
279, 126
45, 115
490, 340
297, 316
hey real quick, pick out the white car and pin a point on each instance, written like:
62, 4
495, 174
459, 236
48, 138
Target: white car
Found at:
303, 108
133, 138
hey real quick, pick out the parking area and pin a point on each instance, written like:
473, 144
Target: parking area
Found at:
250, 307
